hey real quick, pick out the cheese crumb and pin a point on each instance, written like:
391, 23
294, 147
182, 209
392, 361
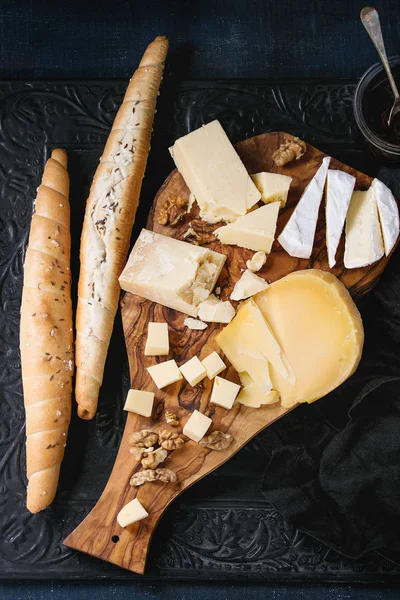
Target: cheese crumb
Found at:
194, 323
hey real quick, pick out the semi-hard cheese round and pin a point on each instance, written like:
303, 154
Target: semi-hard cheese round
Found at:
318, 328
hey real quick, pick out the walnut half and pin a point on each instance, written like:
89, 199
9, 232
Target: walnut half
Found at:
165, 475
155, 458
172, 210
288, 151
217, 440
169, 440
171, 419
143, 439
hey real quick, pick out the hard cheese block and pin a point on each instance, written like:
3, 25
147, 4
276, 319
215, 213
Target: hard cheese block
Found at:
297, 238
173, 273
339, 188
319, 330
214, 173
364, 243
255, 231
273, 187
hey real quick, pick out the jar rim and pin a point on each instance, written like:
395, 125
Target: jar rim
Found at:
362, 85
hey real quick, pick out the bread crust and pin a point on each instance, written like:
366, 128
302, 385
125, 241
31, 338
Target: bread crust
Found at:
109, 217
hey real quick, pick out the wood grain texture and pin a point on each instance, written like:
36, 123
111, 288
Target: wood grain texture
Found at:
99, 534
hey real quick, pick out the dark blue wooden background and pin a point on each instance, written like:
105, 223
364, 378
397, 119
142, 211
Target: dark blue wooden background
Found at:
209, 39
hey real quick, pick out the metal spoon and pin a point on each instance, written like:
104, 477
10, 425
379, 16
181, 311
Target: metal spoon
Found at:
370, 20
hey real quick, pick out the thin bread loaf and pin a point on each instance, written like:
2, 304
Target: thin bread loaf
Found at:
46, 336
109, 217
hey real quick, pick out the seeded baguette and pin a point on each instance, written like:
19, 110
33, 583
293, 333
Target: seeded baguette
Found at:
46, 337
109, 217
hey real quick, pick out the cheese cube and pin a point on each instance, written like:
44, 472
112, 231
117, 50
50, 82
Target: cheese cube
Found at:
173, 273
214, 310
131, 513
157, 343
213, 364
274, 187
193, 371
139, 402
214, 173
255, 231
197, 426
165, 373
224, 392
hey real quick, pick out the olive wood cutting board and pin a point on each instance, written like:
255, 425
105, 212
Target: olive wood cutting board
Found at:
99, 534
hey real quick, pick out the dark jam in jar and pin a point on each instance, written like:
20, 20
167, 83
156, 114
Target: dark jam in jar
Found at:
376, 104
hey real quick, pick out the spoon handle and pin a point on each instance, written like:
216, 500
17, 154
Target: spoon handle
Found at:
370, 20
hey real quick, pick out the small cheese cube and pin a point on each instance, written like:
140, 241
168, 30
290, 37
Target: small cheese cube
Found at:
213, 364
139, 402
157, 340
224, 392
131, 512
197, 426
193, 371
165, 373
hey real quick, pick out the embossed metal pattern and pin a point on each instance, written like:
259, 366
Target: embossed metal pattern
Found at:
222, 528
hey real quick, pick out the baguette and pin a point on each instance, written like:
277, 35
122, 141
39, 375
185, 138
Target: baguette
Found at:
107, 227
46, 337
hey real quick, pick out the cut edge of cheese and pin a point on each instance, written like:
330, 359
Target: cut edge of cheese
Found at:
388, 212
339, 189
254, 231
297, 237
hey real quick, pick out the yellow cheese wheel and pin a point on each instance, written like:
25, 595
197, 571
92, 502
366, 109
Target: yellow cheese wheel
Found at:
318, 328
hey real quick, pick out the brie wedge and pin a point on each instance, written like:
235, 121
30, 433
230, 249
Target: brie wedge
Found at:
339, 188
297, 238
364, 243
388, 214
255, 231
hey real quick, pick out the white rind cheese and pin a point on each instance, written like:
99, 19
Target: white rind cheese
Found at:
297, 238
273, 187
364, 243
255, 231
339, 188
248, 285
388, 214
173, 273
214, 173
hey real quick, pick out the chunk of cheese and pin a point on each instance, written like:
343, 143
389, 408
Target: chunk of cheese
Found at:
214, 310
194, 324
319, 329
297, 238
139, 402
364, 243
173, 273
224, 392
255, 231
273, 187
157, 343
214, 173
339, 188
257, 261
388, 214
193, 371
248, 285
197, 426
253, 397
244, 356
213, 364
165, 373
131, 513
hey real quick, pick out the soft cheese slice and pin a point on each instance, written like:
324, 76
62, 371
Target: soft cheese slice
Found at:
214, 173
388, 214
339, 188
318, 327
274, 187
244, 356
297, 238
255, 231
173, 273
248, 285
364, 243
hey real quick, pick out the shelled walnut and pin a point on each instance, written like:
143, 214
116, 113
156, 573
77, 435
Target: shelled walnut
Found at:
143, 439
139, 452
288, 151
169, 440
172, 210
217, 440
171, 419
155, 458
164, 475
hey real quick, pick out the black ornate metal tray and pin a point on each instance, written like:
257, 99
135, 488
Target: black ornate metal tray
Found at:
222, 528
